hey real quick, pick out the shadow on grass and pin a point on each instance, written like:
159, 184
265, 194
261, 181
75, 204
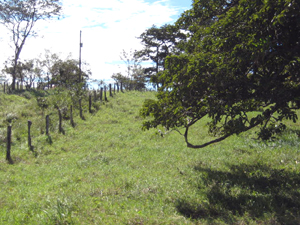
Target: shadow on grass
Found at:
246, 190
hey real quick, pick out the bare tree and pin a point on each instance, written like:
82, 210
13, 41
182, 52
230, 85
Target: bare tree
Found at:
19, 17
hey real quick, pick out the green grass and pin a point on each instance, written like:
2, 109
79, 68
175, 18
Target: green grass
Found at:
106, 170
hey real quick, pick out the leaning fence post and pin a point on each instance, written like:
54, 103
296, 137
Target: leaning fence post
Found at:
29, 137
121, 87
8, 157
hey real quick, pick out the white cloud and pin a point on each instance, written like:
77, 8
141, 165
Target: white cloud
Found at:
107, 28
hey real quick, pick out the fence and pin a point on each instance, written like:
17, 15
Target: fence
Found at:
92, 95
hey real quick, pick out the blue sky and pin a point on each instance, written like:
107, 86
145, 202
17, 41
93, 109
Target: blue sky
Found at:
107, 27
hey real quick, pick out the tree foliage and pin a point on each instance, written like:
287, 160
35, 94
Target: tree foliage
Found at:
50, 70
65, 73
158, 44
28, 71
135, 77
20, 17
241, 56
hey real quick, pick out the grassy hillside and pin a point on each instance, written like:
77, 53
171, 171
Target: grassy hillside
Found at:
107, 171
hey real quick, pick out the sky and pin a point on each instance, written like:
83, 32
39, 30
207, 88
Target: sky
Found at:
108, 27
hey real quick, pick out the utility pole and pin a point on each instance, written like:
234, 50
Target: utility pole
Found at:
80, 46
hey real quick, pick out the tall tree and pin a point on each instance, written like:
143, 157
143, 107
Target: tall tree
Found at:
135, 77
20, 17
158, 44
241, 56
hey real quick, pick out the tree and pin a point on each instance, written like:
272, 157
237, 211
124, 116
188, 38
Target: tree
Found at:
20, 17
158, 44
32, 71
120, 78
65, 73
241, 56
135, 78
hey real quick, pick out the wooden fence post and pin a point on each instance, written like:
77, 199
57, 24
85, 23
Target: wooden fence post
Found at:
8, 157
110, 91
71, 116
4, 87
47, 124
60, 129
90, 103
80, 110
121, 87
48, 83
101, 94
118, 87
95, 95
114, 88
105, 98
29, 136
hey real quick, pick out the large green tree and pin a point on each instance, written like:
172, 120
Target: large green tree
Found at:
241, 56
65, 73
158, 43
20, 17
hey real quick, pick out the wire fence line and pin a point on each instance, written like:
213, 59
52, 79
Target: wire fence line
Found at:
90, 97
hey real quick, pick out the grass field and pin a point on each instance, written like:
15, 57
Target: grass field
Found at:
107, 170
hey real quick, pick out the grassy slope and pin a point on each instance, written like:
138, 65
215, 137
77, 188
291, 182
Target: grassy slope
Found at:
107, 171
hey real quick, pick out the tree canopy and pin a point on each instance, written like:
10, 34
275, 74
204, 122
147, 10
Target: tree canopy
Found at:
159, 42
240, 56
135, 78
